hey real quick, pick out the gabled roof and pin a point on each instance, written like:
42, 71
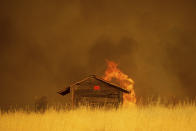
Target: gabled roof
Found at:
67, 89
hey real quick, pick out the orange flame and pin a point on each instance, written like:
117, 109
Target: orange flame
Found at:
125, 82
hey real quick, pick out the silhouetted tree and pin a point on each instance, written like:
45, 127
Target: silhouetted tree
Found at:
41, 104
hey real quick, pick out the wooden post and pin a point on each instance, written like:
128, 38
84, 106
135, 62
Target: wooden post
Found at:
121, 98
73, 102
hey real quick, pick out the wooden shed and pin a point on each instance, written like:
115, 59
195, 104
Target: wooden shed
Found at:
95, 92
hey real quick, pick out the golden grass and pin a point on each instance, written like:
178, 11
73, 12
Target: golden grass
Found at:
151, 118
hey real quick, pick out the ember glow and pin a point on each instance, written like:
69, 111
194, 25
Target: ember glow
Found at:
96, 87
112, 72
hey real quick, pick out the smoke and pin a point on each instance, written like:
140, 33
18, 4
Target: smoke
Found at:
181, 54
45, 45
104, 48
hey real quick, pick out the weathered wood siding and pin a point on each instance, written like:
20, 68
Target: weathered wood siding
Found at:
85, 94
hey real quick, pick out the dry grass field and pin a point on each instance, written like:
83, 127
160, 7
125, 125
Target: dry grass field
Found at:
149, 118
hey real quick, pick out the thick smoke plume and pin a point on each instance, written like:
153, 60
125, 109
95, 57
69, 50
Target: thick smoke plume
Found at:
45, 45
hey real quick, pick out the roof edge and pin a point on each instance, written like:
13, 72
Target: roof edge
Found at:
67, 89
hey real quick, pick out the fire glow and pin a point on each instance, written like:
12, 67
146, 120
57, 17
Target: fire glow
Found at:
112, 72
96, 87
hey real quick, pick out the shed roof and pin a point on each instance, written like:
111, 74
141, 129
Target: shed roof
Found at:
66, 90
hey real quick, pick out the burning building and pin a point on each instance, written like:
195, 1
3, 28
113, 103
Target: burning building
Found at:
95, 92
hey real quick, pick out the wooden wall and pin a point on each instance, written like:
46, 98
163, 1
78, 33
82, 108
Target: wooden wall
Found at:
85, 94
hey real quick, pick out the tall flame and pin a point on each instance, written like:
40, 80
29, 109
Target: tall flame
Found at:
112, 72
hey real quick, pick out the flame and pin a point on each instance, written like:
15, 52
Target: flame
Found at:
112, 72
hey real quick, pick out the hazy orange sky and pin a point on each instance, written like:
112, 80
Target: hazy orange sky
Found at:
45, 45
